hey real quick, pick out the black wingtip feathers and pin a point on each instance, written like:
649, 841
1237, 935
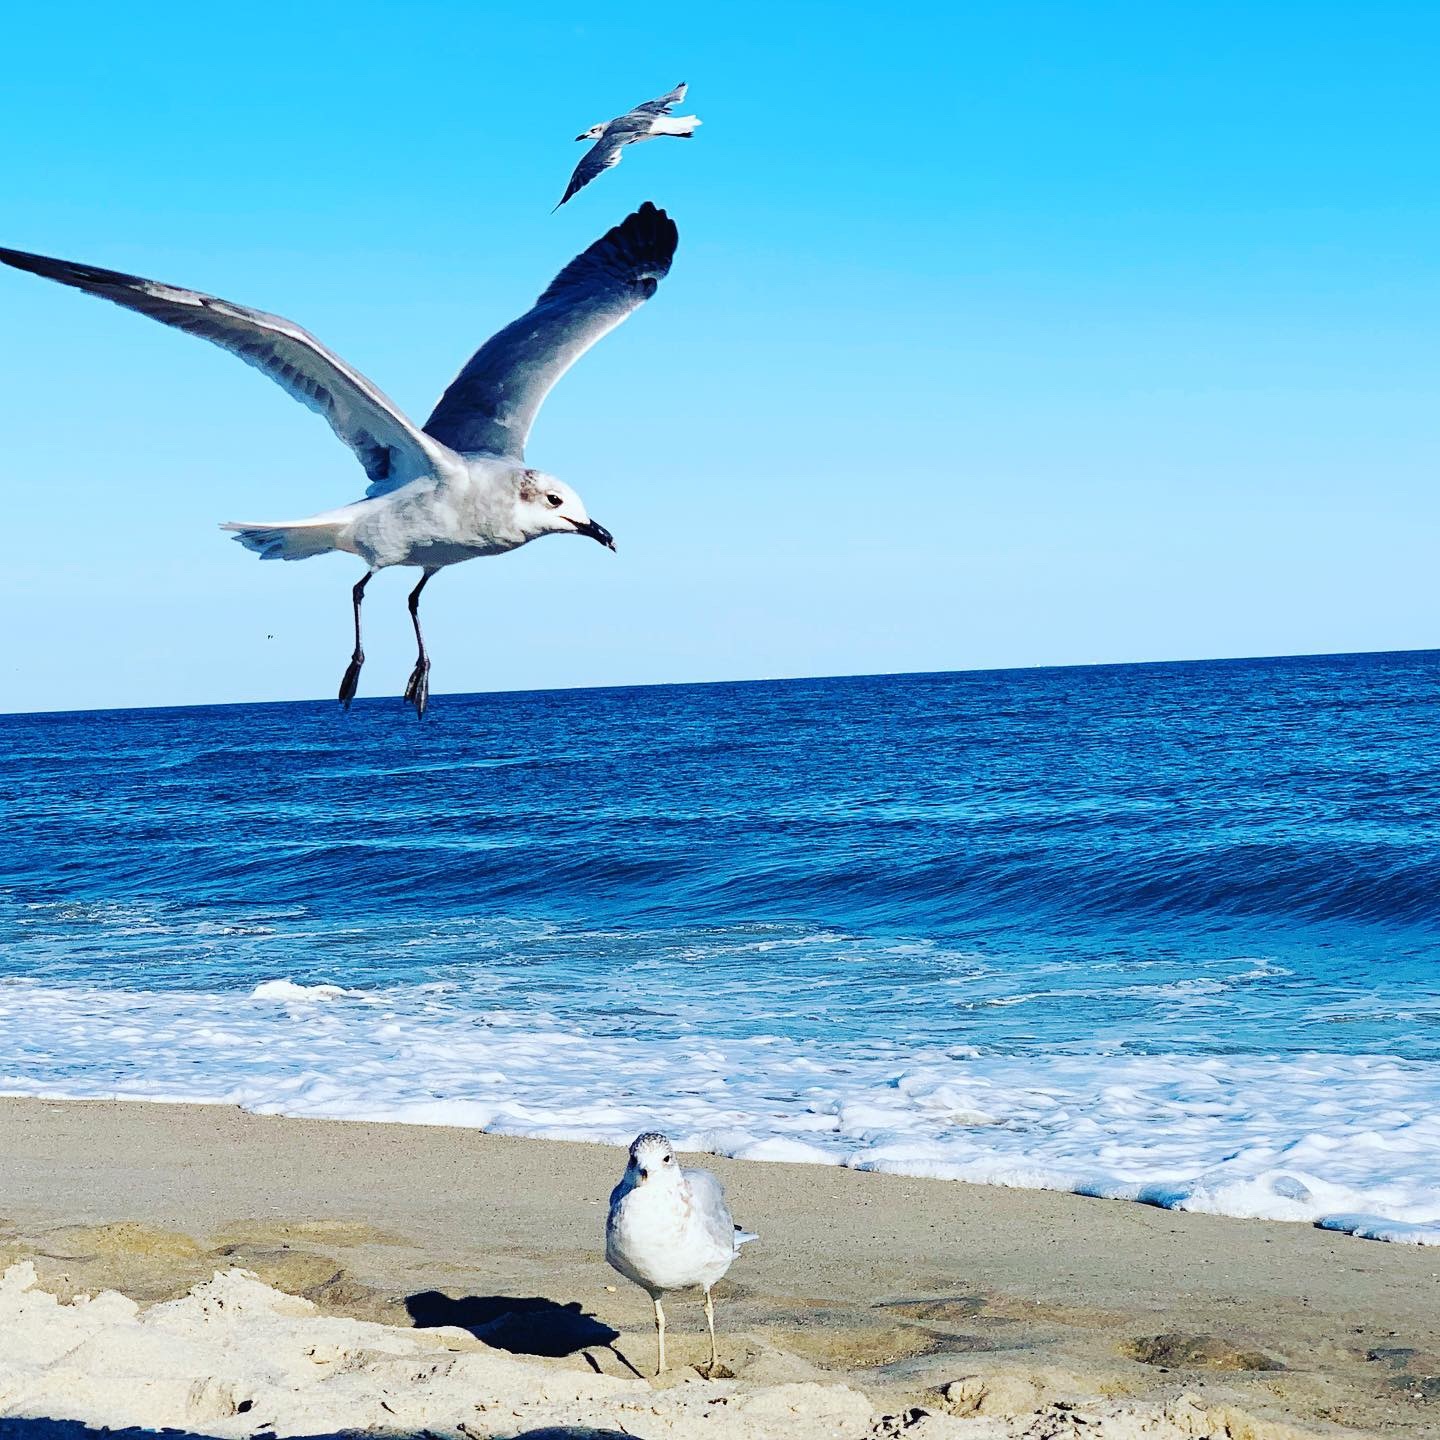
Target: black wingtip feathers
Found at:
647, 234
638, 251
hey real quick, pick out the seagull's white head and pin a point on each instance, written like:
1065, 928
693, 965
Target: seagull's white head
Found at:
593, 133
547, 506
652, 1161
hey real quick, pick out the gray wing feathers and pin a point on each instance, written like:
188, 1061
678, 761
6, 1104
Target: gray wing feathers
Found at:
492, 403
603, 155
389, 447
707, 1194
664, 104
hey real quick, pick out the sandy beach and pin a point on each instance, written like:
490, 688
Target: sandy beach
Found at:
868, 1299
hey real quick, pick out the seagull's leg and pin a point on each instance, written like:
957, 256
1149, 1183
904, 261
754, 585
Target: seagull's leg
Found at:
357, 658
417, 691
710, 1320
660, 1335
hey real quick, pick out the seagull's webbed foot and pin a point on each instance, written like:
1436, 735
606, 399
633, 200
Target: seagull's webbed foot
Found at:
351, 681
417, 690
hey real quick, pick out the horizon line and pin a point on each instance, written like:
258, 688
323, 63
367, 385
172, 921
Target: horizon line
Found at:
750, 680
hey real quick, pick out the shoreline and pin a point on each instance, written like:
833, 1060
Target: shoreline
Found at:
893, 1286
1336, 1139
1241, 1138
1358, 1225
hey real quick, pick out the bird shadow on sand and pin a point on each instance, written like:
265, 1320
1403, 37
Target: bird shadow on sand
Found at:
522, 1325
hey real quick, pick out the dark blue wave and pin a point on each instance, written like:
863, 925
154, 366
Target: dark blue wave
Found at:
1290, 789
1273, 807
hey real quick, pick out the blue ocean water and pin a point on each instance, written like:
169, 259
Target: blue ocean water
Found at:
966, 924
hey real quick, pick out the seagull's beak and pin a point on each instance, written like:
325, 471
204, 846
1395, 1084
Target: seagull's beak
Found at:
585, 136
595, 532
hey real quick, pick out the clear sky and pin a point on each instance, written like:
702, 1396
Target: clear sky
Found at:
999, 334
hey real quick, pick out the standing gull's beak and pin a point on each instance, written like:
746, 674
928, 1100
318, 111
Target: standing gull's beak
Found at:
595, 532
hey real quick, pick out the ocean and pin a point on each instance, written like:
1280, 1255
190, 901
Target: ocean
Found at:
1160, 932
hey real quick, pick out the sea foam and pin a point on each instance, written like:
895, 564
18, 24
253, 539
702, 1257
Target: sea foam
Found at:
1345, 1141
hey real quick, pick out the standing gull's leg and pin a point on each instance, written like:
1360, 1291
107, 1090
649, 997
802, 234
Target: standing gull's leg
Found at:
660, 1335
357, 657
417, 691
710, 1321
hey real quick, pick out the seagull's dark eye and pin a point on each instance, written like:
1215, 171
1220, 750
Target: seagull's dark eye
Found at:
668, 1158
555, 500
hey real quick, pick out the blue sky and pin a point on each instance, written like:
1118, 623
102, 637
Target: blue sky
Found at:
999, 334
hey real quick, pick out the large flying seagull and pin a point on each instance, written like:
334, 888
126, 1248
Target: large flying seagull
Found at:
456, 487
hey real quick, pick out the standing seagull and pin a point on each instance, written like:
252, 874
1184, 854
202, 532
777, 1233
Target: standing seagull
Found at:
644, 122
457, 488
670, 1229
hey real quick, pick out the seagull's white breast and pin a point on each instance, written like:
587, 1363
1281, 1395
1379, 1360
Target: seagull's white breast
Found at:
659, 1239
440, 521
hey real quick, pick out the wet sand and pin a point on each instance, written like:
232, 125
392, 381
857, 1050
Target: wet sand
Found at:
968, 1301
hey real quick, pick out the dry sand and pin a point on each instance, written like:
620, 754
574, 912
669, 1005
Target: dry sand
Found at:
869, 1298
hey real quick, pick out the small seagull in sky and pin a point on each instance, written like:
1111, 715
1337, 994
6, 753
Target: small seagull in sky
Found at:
456, 488
670, 1229
644, 122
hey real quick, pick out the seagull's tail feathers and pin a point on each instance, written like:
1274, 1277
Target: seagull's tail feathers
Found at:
743, 1237
289, 539
680, 126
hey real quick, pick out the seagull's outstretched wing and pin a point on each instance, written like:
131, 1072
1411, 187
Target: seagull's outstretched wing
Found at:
603, 155
491, 404
664, 104
388, 445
